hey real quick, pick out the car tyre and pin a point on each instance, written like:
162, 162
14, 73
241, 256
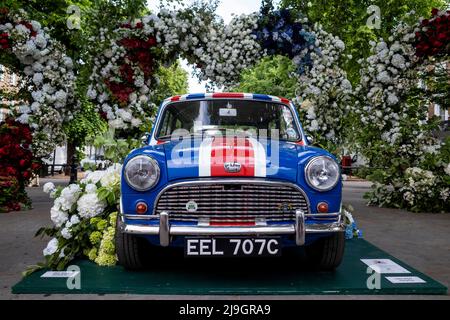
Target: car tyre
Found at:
131, 249
327, 253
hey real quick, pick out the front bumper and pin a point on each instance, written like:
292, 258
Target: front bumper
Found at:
165, 230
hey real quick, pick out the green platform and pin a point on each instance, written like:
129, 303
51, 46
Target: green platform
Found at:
276, 276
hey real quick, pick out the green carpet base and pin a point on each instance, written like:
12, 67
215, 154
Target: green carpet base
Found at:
174, 274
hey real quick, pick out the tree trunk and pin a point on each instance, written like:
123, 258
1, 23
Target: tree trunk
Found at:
71, 149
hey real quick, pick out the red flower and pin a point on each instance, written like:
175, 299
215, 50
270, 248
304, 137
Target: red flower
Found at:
26, 174
441, 36
35, 166
434, 11
127, 72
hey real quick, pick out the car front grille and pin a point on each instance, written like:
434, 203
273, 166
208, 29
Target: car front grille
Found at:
232, 201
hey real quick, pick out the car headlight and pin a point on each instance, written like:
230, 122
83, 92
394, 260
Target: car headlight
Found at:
142, 173
322, 173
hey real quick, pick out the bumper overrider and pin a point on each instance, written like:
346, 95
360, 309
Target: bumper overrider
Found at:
299, 228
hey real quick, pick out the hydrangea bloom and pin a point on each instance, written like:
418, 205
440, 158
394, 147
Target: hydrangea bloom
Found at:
51, 248
89, 205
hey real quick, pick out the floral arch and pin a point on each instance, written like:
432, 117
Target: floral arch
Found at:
123, 77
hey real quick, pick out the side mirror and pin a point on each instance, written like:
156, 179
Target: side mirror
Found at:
144, 138
310, 139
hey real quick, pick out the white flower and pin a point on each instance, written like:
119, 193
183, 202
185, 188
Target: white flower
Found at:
398, 61
37, 78
58, 216
60, 95
384, 77
93, 176
40, 41
69, 196
447, 169
51, 248
65, 233
36, 25
48, 187
23, 118
21, 29
340, 44
314, 125
135, 122
91, 93
112, 175
74, 219
392, 99
89, 205
91, 188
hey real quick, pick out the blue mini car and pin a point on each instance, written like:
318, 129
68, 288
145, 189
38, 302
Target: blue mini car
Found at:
230, 175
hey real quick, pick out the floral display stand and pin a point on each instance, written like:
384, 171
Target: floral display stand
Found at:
251, 278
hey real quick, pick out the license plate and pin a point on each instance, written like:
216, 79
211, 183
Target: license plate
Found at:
232, 247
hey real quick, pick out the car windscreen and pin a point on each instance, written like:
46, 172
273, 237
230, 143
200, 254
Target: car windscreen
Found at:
228, 116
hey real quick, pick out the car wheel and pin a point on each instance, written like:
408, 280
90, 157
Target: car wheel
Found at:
131, 250
327, 253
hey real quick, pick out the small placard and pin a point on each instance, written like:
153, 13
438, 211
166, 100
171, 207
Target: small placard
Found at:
405, 280
227, 112
60, 274
384, 266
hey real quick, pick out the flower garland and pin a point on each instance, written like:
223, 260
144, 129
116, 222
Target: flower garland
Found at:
324, 93
122, 75
48, 71
16, 165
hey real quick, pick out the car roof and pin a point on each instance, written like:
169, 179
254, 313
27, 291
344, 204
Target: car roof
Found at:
226, 95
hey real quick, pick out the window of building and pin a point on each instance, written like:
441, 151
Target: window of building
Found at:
2, 72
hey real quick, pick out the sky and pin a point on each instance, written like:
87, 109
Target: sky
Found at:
225, 10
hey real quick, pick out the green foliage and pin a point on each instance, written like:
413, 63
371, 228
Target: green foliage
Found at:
115, 150
86, 125
347, 20
272, 75
173, 80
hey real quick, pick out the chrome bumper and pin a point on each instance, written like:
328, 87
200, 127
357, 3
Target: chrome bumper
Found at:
165, 230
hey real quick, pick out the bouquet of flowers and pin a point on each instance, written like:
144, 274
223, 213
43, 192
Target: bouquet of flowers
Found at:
84, 218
